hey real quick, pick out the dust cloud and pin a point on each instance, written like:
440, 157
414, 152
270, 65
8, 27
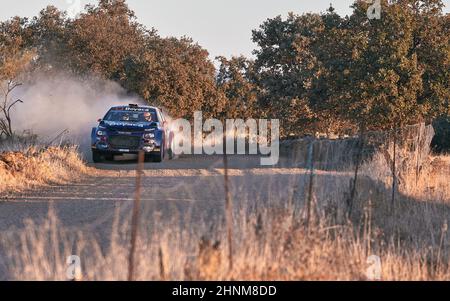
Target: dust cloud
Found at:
53, 104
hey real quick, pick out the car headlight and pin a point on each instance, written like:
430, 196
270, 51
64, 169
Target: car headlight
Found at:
149, 136
101, 133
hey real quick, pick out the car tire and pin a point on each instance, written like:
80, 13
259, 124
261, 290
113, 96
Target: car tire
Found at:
170, 152
109, 157
160, 156
96, 156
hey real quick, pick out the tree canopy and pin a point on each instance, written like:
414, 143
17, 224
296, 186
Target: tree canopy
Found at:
352, 71
314, 72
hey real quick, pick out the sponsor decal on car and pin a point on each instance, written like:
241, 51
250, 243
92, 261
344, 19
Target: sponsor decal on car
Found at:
137, 109
125, 124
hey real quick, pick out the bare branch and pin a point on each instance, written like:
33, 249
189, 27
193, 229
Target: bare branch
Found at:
14, 103
3, 89
3, 127
15, 85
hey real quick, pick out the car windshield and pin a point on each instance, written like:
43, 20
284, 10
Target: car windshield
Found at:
131, 116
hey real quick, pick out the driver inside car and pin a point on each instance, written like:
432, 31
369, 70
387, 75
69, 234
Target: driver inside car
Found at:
126, 117
148, 117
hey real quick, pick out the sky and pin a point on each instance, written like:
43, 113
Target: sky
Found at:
223, 27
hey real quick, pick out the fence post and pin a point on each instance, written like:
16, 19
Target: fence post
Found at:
418, 153
358, 163
394, 168
135, 217
228, 206
310, 167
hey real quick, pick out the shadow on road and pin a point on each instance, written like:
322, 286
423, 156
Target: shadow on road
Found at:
189, 191
194, 162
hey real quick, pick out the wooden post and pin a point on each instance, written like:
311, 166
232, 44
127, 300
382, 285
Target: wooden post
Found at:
394, 168
311, 182
162, 273
135, 217
228, 206
358, 164
419, 136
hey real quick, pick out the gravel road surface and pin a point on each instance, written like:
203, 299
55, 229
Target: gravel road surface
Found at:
190, 188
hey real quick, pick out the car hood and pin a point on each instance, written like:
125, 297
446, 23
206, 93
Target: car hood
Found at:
128, 126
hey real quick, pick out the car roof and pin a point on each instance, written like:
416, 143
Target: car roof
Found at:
129, 106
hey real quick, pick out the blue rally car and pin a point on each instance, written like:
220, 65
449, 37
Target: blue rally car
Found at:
131, 129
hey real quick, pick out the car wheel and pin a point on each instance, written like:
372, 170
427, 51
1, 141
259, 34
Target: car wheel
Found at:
170, 152
96, 156
160, 156
109, 157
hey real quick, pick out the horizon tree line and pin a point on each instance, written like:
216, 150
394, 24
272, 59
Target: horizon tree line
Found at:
315, 72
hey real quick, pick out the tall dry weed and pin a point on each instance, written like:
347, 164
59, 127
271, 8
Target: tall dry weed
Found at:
35, 166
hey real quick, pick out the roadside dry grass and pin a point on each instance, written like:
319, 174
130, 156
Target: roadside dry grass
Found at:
270, 242
35, 166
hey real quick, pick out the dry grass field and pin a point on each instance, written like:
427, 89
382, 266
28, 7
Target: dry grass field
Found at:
271, 238
353, 97
29, 167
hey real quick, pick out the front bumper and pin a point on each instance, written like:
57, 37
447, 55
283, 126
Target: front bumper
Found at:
119, 152
105, 145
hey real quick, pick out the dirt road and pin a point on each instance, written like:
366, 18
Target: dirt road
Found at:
193, 185
189, 190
